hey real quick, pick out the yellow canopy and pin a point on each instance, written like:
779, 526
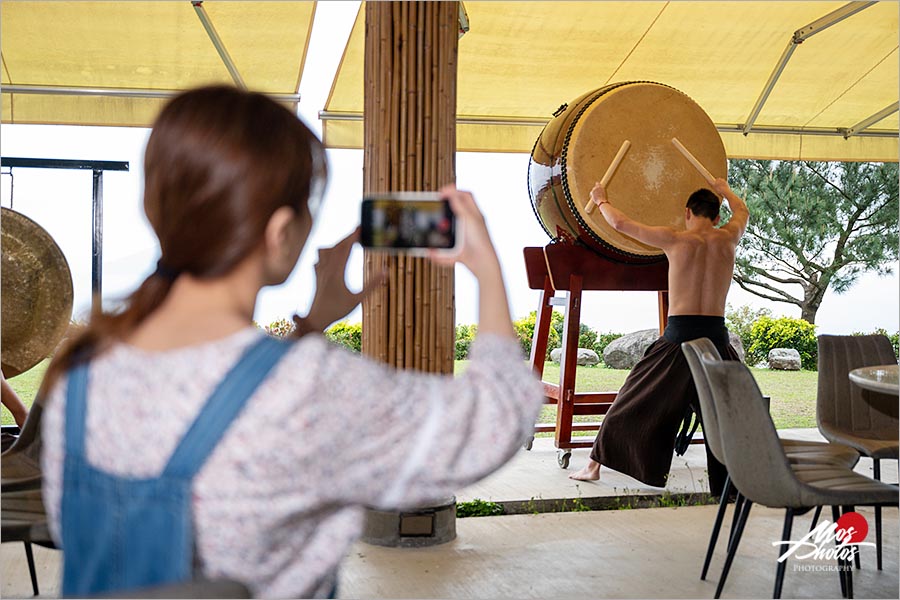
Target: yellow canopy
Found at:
520, 61
114, 63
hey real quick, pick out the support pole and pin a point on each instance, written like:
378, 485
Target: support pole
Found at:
410, 145
97, 245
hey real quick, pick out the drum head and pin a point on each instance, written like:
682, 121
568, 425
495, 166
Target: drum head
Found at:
653, 182
36, 290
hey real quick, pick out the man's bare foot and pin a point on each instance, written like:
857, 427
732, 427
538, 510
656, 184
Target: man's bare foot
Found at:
590, 472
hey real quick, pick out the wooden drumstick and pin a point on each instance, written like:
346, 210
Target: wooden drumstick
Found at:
610, 172
693, 160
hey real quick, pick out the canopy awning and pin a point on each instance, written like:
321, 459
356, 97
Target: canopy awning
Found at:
115, 63
803, 80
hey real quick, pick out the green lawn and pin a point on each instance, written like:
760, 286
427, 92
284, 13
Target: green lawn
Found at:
793, 392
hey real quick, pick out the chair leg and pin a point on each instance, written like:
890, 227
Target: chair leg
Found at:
785, 535
857, 553
738, 507
835, 515
31, 571
732, 548
717, 525
876, 466
816, 516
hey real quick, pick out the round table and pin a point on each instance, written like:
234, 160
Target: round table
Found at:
882, 378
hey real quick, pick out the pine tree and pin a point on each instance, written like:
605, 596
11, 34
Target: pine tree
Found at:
816, 225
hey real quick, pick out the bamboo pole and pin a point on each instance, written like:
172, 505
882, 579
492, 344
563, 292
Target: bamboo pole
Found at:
410, 106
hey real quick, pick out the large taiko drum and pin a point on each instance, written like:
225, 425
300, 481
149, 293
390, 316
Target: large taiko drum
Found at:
651, 184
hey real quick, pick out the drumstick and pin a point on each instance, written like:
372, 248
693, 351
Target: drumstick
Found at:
693, 160
610, 172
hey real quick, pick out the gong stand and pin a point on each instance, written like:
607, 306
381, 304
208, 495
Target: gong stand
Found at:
97, 167
573, 269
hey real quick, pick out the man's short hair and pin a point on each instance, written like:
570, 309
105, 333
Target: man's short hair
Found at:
704, 203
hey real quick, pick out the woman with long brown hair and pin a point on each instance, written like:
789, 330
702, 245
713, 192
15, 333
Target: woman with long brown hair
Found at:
180, 441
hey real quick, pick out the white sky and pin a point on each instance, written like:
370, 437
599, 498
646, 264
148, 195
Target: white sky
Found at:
61, 202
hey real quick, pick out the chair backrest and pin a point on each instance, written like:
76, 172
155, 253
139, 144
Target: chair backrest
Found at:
693, 351
841, 405
753, 453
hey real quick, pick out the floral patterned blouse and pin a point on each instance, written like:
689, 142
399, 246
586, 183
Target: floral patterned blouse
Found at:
280, 499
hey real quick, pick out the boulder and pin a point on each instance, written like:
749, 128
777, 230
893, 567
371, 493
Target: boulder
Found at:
784, 359
586, 357
626, 351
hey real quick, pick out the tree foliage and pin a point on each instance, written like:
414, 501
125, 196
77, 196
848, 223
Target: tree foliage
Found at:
814, 226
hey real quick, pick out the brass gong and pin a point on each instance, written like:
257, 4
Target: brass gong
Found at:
36, 293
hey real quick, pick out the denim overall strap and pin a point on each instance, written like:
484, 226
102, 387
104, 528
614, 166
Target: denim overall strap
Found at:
76, 410
223, 406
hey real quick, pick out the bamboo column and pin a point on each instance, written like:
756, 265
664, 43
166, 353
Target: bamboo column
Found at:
410, 145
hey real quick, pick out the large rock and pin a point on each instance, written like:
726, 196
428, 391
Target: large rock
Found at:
626, 351
784, 359
586, 357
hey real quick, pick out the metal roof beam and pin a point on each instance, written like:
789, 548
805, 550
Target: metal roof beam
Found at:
217, 42
326, 115
865, 123
799, 36
60, 90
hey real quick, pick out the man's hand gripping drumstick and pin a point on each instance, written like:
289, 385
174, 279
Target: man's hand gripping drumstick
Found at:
610, 171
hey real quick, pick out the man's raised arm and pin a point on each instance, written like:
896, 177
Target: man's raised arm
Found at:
659, 237
740, 215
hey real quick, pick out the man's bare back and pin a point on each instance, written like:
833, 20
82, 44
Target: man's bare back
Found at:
701, 257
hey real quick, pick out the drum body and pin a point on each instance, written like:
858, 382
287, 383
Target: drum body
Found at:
651, 184
37, 293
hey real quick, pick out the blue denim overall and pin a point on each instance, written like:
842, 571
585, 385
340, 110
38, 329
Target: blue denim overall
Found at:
120, 533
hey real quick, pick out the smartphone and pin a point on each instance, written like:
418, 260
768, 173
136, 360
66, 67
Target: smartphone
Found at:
408, 222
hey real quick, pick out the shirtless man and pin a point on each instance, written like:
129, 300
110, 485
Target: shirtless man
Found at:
638, 433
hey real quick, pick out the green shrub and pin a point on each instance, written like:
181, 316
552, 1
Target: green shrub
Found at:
478, 508
346, 334
894, 337
587, 337
465, 335
280, 328
768, 333
525, 332
741, 319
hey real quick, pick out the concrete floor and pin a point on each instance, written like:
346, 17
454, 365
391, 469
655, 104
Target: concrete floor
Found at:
642, 553
636, 553
536, 475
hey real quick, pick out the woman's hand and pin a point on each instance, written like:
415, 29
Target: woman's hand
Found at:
333, 299
476, 251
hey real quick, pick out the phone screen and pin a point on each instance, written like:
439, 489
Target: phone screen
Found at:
392, 222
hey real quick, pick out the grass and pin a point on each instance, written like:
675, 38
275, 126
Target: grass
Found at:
793, 393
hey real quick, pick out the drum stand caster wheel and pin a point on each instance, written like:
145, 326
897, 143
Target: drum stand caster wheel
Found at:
529, 443
562, 457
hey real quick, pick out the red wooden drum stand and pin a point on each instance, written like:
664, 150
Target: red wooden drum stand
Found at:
574, 269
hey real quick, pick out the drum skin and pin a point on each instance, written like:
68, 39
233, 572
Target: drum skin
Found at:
653, 181
36, 291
